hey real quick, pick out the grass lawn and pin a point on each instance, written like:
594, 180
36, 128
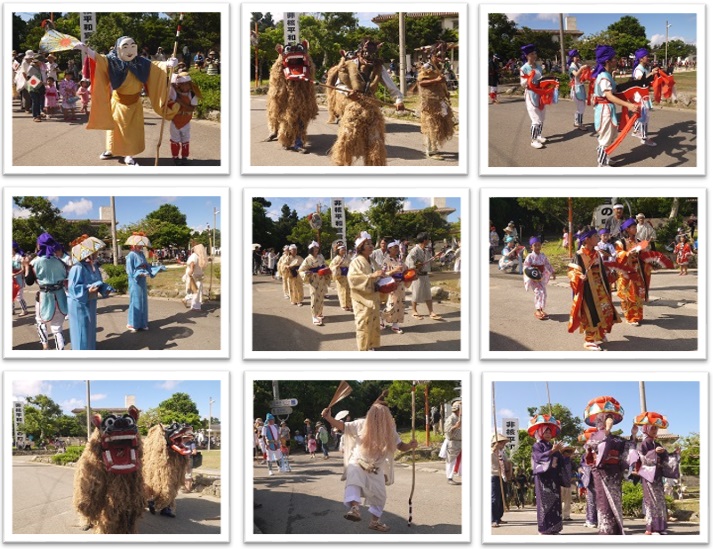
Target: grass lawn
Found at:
211, 460
558, 256
170, 280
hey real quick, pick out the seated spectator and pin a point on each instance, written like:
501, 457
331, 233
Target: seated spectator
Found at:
511, 259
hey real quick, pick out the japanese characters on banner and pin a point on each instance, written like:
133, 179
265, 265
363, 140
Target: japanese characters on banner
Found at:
87, 26
339, 221
292, 27
511, 429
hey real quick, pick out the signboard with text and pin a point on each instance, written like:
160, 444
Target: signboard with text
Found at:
292, 27
283, 402
339, 218
511, 429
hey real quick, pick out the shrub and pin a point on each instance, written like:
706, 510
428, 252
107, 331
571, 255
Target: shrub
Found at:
631, 499
210, 90
70, 456
216, 270
119, 283
113, 270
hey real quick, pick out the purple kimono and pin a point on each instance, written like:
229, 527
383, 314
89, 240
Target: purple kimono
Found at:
547, 468
654, 467
613, 457
588, 483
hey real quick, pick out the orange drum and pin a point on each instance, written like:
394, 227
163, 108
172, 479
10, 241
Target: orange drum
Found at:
410, 275
325, 271
386, 285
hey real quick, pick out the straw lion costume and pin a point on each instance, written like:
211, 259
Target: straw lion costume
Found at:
108, 482
165, 464
362, 128
291, 98
437, 122
336, 101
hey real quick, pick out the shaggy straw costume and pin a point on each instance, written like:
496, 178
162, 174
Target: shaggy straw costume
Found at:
164, 469
361, 127
291, 104
437, 122
111, 502
336, 101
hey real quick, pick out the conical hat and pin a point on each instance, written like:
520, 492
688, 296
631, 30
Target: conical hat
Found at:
85, 246
138, 239
603, 405
586, 434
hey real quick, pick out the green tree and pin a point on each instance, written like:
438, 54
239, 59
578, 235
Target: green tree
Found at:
628, 25
426, 220
501, 32
546, 47
419, 32
19, 30
69, 426
555, 210
168, 213
263, 226
383, 215
302, 233
285, 224
399, 399
691, 454
179, 408
147, 419
41, 417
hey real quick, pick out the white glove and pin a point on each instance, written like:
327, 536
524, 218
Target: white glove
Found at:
80, 46
172, 63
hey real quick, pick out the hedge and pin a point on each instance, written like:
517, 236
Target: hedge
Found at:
70, 456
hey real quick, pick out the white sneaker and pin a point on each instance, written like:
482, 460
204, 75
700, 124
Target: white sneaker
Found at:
270, 473
648, 142
106, 155
637, 135
541, 139
536, 145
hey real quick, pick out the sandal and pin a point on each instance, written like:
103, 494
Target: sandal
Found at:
591, 346
417, 316
539, 315
378, 526
354, 515
434, 316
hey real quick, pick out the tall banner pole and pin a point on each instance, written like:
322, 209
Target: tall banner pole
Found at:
168, 88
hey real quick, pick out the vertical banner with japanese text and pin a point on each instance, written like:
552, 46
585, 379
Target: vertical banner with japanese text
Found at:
339, 220
292, 27
511, 429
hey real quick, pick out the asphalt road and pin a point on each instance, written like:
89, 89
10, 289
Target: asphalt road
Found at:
54, 142
280, 326
523, 522
171, 327
674, 131
404, 142
670, 318
42, 504
309, 500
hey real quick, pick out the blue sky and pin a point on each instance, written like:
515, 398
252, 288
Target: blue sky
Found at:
363, 17
129, 209
678, 401
70, 394
683, 25
305, 206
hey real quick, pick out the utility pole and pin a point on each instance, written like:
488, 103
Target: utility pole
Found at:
570, 228
89, 414
562, 61
666, 58
210, 419
642, 396
212, 246
114, 243
402, 52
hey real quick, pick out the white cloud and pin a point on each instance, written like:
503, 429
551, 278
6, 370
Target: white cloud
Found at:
658, 39
553, 17
77, 208
20, 213
71, 404
274, 214
53, 198
98, 396
515, 16
170, 384
417, 203
506, 412
358, 204
29, 388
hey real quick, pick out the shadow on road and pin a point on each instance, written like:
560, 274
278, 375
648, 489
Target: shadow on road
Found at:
668, 142
499, 342
193, 512
653, 344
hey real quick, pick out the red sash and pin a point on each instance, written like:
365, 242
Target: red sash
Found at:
545, 89
663, 85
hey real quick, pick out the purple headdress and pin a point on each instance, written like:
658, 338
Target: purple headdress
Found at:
584, 235
602, 54
571, 54
535, 240
527, 49
638, 54
47, 245
16, 248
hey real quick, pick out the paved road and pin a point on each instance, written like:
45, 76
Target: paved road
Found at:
523, 522
54, 142
42, 504
674, 131
404, 142
670, 318
172, 326
309, 500
279, 326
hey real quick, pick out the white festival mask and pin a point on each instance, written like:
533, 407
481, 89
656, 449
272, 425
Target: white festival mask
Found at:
127, 50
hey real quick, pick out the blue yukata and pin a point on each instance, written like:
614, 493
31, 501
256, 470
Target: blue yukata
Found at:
83, 305
50, 274
138, 269
532, 100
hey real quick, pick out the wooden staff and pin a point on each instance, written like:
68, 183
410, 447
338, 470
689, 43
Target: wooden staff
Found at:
383, 103
168, 88
413, 453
